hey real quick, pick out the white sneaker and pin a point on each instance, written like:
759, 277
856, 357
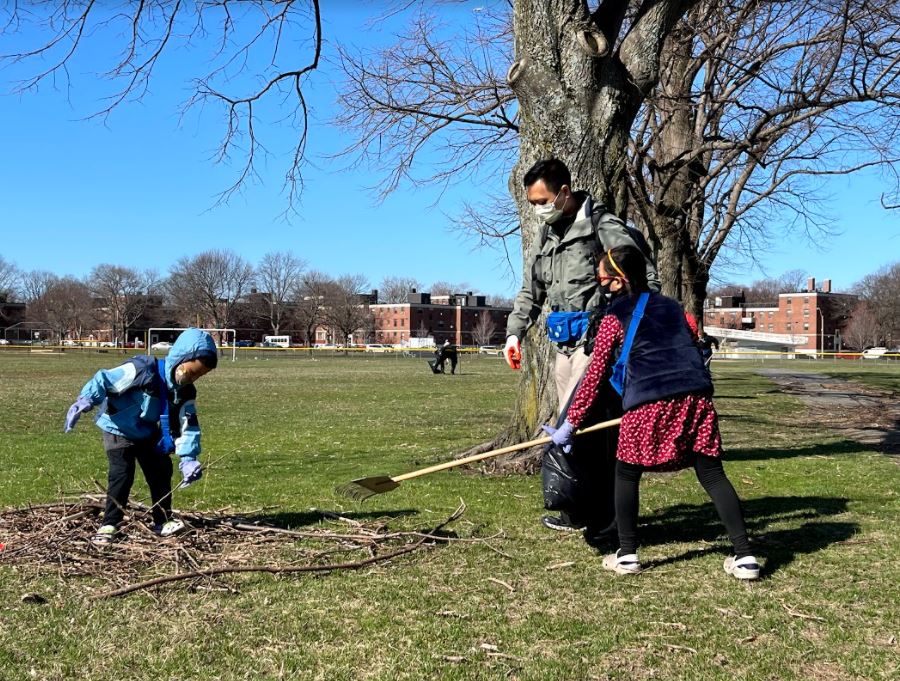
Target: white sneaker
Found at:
742, 568
624, 564
168, 528
105, 535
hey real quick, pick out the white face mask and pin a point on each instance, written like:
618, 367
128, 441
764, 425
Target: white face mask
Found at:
549, 213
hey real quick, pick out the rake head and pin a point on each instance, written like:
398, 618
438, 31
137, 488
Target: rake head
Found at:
364, 488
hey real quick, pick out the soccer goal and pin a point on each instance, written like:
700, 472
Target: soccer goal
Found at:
153, 337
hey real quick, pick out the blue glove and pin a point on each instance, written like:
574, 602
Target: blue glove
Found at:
562, 436
82, 404
191, 471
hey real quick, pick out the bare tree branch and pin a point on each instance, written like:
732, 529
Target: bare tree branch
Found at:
147, 31
431, 95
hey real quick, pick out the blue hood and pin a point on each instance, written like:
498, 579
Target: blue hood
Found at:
191, 344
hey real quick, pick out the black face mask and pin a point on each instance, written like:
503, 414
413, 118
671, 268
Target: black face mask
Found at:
610, 294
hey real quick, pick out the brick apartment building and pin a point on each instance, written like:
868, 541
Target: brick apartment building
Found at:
818, 314
445, 317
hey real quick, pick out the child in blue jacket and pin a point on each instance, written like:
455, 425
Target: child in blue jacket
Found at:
147, 411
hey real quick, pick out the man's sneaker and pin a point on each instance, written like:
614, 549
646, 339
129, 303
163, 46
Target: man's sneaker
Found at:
106, 534
622, 564
742, 568
555, 522
168, 528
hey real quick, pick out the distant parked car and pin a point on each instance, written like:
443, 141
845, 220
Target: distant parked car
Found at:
874, 353
490, 350
377, 347
244, 344
162, 345
3, 341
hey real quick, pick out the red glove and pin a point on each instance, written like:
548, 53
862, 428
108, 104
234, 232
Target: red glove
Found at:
513, 352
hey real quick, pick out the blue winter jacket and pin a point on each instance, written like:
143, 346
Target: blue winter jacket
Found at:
129, 395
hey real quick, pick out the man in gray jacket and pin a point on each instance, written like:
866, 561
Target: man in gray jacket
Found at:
561, 274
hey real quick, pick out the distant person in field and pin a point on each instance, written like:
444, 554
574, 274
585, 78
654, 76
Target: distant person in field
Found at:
670, 421
147, 411
449, 353
706, 344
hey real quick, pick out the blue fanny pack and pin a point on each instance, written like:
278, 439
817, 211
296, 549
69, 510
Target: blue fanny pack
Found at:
617, 380
567, 327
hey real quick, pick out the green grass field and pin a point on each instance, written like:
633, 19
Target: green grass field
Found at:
527, 604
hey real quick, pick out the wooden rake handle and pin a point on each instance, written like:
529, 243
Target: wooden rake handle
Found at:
498, 452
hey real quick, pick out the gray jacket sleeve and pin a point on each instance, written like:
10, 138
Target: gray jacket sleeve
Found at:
529, 299
612, 232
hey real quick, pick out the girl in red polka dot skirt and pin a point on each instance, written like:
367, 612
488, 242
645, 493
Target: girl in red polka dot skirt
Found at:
670, 421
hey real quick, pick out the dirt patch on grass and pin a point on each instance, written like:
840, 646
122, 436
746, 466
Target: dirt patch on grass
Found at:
855, 411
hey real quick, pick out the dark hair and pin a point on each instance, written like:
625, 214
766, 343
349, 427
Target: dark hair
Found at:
552, 171
632, 264
209, 360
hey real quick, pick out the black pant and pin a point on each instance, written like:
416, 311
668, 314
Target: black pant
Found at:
157, 468
710, 474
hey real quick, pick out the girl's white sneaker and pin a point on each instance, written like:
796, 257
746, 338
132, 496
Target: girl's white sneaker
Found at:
742, 568
622, 564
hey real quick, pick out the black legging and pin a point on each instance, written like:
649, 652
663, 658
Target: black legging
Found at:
710, 474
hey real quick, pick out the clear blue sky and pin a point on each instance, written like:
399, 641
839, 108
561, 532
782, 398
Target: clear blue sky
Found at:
139, 189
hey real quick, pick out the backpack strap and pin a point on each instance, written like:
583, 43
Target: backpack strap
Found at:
166, 444
618, 371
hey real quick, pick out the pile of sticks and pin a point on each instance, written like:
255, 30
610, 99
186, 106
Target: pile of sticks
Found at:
56, 537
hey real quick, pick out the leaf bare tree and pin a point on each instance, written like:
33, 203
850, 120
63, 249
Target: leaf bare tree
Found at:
704, 121
9, 278
346, 308
124, 295
484, 329
309, 303
278, 275
396, 289
207, 288
758, 102
67, 305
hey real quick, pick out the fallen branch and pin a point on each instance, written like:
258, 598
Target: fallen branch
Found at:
273, 569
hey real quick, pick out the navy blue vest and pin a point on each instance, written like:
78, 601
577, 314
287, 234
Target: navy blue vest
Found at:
664, 361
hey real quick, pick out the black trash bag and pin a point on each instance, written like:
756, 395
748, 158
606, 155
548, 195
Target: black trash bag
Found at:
559, 479
581, 483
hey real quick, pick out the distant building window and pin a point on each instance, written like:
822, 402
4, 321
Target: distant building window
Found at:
806, 300
771, 327
770, 314
806, 312
789, 300
790, 312
806, 326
